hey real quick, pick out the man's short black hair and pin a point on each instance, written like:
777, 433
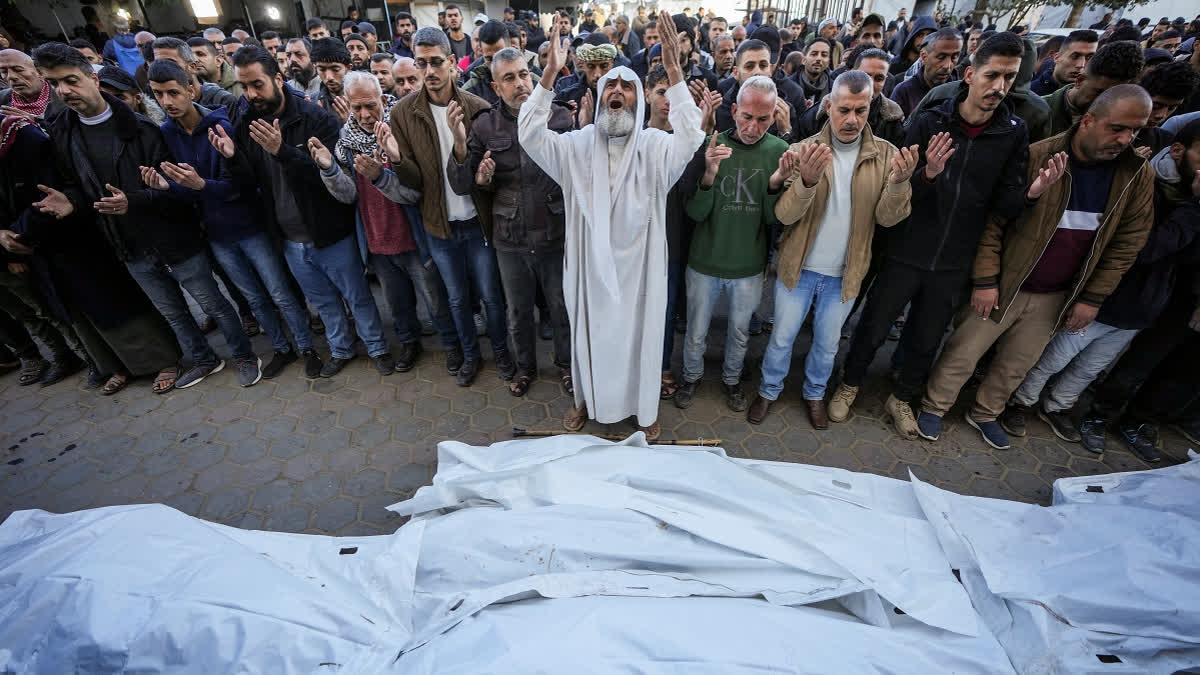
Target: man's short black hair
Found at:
1000, 44
306, 41
1083, 35
404, 15
514, 30
80, 43
247, 56
57, 55
657, 74
197, 42
872, 53
1054, 44
165, 70
231, 41
269, 35
349, 24
1175, 80
380, 57
314, 22
329, 50
1124, 33
827, 41
1121, 61
492, 32
453, 6
747, 46
1168, 35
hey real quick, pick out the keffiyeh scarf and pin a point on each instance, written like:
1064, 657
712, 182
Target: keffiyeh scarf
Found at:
9, 129
34, 106
359, 140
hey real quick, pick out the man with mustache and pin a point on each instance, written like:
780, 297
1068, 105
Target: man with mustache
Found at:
332, 61
301, 68
976, 150
617, 176
527, 215
938, 56
1055, 264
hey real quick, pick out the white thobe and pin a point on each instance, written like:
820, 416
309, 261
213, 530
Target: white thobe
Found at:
615, 262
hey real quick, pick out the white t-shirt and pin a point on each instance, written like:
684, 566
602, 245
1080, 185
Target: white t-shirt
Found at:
828, 253
457, 206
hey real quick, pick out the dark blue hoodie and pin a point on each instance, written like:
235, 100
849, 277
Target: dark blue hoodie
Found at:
920, 23
228, 212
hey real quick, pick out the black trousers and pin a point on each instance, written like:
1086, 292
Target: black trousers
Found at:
935, 297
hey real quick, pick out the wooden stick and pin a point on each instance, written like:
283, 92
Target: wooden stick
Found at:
518, 432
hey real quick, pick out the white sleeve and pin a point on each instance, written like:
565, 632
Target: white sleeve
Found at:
685, 118
551, 151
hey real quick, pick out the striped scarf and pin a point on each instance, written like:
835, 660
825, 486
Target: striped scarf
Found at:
34, 106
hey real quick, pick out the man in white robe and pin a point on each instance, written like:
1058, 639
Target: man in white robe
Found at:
616, 176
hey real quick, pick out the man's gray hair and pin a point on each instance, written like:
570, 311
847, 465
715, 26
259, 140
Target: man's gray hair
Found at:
361, 78
180, 47
759, 84
431, 36
211, 34
855, 81
506, 55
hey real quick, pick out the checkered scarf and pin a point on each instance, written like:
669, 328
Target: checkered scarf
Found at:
358, 140
10, 127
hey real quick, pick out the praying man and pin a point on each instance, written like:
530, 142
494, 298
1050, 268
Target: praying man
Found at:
616, 176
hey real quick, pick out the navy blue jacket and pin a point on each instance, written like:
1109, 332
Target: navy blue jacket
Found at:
230, 212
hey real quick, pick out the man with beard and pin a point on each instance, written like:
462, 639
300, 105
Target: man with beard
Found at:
232, 217
158, 238
211, 67
381, 68
431, 129
608, 284
271, 147
845, 182
975, 151
734, 209
402, 43
315, 29
460, 42
1054, 265
28, 93
359, 50
938, 56
593, 59
527, 217
814, 78
356, 172
408, 78
332, 62
301, 69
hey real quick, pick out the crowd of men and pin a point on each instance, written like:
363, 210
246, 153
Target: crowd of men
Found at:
1020, 214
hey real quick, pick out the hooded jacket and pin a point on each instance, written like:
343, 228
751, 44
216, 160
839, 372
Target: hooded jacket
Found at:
984, 177
1010, 250
229, 211
900, 64
885, 117
908, 94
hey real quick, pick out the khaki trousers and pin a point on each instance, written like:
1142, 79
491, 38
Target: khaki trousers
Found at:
1020, 339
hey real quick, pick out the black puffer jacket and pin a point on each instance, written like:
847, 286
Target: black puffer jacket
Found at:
985, 176
527, 205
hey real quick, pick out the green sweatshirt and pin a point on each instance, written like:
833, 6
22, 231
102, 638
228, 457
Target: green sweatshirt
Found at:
732, 216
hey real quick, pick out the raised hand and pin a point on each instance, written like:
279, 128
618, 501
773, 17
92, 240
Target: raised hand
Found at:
55, 203
698, 89
556, 58
369, 166
713, 156
941, 147
708, 111
221, 141
487, 169
783, 116
984, 300
454, 118
1056, 166
587, 109
320, 153
184, 174
341, 108
153, 179
116, 205
814, 157
669, 41
267, 135
383, 135
904, 162
787, 165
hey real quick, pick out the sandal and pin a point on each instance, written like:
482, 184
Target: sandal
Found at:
669, 386
520, 384
568, 383
652, 432
575, 418
115, 383
166, 379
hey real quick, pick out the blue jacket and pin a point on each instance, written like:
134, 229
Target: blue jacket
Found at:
229, 212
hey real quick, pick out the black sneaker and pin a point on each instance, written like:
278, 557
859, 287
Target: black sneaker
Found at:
686, 394
466, 374
1091, 434
1141, 439
454, 360
384, 363
508, 369
334, 366
278, 362
62, 369
312, 363
1013, 419
1060, 424
735, 398
194, 375
406, 360
249, 371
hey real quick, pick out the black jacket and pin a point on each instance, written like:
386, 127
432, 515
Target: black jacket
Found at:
328, 220
985, 176
162, 225
527, 205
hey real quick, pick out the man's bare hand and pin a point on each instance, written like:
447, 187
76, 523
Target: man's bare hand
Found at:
153, 179
341, 108
320, 153
115, 205
904, 163
383, 136
487, 169
369, 166
814, 157
984, 300
55, 203
587, 109
941, 148
266, 135
1080, 316
184, 174
713, 156
11, 241
787, 165
1056, 166
221, 141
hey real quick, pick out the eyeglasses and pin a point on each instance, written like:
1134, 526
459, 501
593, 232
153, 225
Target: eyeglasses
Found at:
422, 64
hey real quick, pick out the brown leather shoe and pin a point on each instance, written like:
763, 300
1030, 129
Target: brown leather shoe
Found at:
758, 410
817, 414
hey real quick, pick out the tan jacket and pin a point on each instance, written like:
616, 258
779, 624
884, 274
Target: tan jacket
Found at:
420, 166
875, 200
1008, 252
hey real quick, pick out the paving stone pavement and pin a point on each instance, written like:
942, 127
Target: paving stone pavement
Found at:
326, 456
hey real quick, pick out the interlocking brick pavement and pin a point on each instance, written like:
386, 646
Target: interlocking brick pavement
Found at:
326, 456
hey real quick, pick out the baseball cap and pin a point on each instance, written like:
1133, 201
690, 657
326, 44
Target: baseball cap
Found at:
481, 18
117, 78
365, 27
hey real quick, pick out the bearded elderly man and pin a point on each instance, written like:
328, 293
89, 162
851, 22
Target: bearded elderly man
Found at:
615, 278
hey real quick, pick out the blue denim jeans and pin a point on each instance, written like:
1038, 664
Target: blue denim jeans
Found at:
256, 269
463, 259
162, 283
330, 276
703, 292
824, 295
403, 276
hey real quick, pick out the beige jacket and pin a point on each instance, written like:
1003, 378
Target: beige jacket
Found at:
875, 200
